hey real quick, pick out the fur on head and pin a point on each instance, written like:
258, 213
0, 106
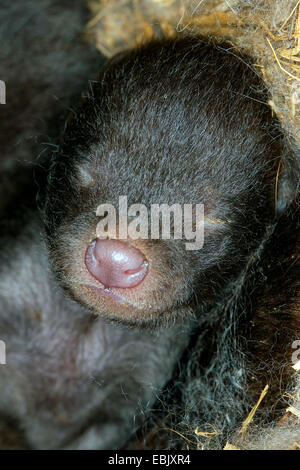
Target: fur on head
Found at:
173, 122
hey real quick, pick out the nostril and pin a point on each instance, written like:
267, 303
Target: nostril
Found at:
115, 263
135, 271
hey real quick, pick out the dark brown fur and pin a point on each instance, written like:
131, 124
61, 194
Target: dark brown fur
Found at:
175, 122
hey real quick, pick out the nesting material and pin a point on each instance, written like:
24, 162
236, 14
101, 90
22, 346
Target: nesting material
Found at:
284, 435
249, 418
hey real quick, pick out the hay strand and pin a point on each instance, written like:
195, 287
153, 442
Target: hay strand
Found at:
250, 416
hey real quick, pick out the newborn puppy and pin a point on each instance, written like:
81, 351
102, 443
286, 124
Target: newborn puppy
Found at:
174, 122
181, 122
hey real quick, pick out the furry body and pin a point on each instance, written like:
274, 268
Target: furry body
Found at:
160, 125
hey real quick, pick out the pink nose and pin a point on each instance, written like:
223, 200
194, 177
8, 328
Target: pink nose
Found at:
115, 264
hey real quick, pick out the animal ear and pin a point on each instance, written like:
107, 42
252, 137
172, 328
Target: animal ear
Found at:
287, 179
85, 176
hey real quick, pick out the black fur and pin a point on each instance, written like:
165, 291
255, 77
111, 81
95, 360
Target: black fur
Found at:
174, 122
157, 127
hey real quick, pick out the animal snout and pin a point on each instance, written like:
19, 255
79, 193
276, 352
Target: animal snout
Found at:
116, 263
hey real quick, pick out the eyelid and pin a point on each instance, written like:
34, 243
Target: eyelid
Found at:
85, 176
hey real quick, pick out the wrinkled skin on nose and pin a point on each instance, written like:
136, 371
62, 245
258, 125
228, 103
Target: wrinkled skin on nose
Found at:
115, 263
